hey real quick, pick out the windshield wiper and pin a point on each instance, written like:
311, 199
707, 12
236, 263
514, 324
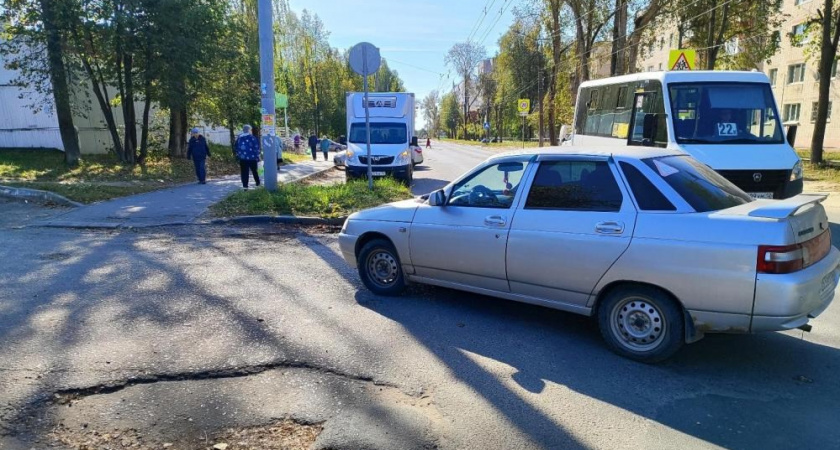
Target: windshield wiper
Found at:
695, 141
740, 141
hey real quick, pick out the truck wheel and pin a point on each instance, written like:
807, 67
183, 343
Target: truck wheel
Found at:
348, 177
409, 176
380, 269
641, 323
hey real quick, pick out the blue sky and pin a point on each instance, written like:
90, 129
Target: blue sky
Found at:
413, 35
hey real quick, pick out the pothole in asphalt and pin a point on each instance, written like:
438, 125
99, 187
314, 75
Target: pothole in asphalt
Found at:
284, 434
276, 406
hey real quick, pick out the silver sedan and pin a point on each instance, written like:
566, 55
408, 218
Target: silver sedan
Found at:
654, 244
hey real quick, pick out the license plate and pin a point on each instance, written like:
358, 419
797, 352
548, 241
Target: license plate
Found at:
761, 194
378, 174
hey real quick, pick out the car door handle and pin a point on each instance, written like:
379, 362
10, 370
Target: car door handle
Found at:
495, 220
609, 227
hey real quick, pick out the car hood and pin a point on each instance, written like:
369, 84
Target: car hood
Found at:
743, 156
402, 211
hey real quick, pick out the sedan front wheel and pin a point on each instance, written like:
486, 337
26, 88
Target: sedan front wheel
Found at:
641, 323
379, 268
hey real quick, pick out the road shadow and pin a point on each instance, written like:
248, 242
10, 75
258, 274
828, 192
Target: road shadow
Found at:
755, 391
110, 308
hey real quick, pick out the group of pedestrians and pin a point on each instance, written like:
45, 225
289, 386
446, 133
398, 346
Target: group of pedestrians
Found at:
247, 152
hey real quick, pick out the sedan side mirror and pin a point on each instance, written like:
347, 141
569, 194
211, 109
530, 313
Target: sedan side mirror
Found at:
437, 198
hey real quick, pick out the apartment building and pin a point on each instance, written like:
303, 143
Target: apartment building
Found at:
794, 77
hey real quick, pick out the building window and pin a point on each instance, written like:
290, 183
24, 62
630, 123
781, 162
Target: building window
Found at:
774, 73
814, 106
650, 69
791, 112
796, 73
799, 2
798, 35
671, 42
834, 69
660, 66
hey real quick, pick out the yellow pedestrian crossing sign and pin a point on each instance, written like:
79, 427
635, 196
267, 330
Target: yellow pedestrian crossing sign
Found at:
685, 59
523, 105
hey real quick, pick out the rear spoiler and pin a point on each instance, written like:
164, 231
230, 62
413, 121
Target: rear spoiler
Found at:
781, 209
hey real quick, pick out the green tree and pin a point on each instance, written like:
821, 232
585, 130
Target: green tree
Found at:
42, 24
450, 114
464, 57
823, 36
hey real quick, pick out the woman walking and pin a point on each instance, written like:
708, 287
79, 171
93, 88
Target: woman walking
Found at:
248, 153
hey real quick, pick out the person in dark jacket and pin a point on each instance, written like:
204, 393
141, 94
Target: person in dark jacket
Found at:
247, 150
198, 151
313, 144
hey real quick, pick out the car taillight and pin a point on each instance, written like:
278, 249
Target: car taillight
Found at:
790, 258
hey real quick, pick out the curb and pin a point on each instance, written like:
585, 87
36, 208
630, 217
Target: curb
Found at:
289, 220
36, 195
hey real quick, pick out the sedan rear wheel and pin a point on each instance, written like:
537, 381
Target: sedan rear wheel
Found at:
379, 268
641, 323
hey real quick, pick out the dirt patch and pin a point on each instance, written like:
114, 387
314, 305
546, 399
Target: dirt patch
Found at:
335, 176
280, 435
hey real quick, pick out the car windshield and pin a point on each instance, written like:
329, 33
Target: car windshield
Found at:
380, 133
699, 185
724, 113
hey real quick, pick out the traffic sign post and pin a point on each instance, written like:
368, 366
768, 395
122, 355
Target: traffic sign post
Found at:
282, 101
364, 59
523, 105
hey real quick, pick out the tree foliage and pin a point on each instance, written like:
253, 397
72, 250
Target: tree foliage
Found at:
194, 59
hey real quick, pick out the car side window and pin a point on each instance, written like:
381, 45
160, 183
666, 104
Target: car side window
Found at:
648, 196
494, 186
574, 185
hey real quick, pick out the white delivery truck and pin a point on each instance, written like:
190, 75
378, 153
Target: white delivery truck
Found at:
391, 135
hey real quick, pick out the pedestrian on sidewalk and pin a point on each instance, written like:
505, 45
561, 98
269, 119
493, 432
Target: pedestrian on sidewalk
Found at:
325, 147
297, 142
248, 153
198, 151
428, 142
313, 142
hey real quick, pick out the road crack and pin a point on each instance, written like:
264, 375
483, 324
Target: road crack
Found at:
64, 396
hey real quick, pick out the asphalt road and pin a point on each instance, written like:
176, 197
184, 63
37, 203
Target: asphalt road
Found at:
190, 328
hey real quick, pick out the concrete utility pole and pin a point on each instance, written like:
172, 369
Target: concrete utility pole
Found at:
269, 127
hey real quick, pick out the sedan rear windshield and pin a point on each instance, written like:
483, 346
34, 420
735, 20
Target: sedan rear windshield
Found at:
699, 185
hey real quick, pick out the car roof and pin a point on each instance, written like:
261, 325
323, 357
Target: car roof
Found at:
631, 152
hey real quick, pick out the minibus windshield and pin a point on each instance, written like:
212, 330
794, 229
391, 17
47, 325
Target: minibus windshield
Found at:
724, 113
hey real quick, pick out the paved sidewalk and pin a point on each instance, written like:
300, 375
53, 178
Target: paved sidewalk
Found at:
173, 206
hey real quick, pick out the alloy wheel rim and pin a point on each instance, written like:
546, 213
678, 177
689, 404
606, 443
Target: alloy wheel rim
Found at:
382, 268
638, 324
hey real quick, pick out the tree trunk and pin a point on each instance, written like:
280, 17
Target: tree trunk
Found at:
144, 133
640, 22
619, 38
129, 114
232, 135
466, 104
58, 81
177, 131
555, 68
828, 50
